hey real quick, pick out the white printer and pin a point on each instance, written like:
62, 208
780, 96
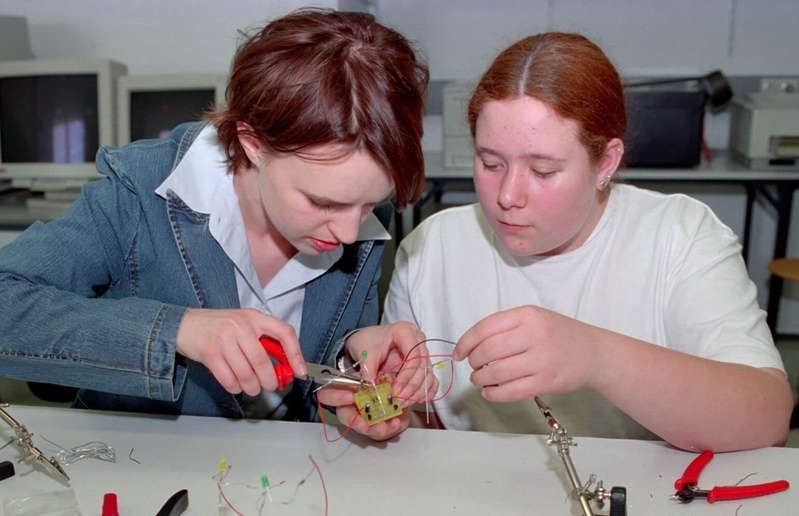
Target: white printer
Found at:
764, 130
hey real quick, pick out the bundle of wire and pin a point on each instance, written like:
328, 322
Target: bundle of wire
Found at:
91, 450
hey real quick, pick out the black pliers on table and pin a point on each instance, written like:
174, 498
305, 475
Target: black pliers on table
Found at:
688, 489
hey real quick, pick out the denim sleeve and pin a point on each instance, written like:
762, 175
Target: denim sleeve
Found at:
57, 322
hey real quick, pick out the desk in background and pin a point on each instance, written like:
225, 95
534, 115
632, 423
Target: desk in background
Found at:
15, 214
422, 472
775, 186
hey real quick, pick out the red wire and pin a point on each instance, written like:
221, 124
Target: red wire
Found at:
399, 367
451, 379
230, 505
321, 479
347, 428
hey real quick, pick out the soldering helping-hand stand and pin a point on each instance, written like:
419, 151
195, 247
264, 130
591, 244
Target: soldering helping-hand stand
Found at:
583, 494
25, 441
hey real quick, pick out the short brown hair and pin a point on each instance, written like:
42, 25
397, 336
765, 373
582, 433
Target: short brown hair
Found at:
318, 76
567, 72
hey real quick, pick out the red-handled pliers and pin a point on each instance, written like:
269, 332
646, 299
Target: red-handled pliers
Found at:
688, 489
318, 373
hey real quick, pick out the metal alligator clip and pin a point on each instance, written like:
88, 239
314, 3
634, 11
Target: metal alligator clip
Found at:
559, 438
25, 441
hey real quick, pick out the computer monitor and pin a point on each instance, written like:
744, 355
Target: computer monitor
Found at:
54, 116
149, 106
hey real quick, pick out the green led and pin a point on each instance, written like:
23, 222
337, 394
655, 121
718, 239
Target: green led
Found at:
363, 355
264, 481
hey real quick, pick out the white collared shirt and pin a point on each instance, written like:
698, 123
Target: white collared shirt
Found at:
203, 182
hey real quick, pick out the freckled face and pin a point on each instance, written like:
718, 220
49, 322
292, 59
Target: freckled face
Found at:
534, 179
317, 205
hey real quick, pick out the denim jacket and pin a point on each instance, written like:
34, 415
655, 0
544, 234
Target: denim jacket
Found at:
94, 299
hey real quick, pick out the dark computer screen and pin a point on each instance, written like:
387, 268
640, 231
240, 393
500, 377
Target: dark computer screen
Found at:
153, 114
49, 119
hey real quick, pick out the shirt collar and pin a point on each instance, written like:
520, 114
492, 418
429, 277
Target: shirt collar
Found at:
205, 157
203, 182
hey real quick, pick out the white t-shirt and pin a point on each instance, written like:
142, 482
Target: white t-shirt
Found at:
660, 268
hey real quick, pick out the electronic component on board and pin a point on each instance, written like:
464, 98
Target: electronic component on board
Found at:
377, 403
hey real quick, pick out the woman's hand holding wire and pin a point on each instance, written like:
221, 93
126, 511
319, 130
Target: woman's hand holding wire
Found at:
528, 351
227, 343
395, 352
398, 351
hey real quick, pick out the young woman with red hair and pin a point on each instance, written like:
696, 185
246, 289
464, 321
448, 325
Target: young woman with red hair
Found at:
269, 218
629, 311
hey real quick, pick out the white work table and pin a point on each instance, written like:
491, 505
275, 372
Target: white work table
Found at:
421, 472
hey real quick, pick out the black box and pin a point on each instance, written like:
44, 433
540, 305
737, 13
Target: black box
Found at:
664, 128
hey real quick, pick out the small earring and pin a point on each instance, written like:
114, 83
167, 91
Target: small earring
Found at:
604, 183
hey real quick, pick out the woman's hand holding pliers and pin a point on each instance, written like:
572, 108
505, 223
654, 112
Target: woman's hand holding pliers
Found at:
227, 343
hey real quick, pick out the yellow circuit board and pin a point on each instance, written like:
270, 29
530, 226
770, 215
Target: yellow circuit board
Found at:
377, 403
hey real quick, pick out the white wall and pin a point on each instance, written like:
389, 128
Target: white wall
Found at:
459, 37
642, 37
149, 36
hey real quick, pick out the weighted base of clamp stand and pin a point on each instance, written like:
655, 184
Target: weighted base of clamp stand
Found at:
618, 501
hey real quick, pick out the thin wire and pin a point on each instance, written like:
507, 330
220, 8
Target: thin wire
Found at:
91, 450
296, 489
321, 479
227, 502
347, 427
744, 478
400, 367
220, 481
426, 404
446, 358
419, 344
130, 456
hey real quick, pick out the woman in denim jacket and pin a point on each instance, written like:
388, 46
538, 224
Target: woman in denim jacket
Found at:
151, 292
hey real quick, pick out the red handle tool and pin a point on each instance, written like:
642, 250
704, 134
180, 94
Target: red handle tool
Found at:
318, 373
690, 478
687, 485
285, 374
720, 493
